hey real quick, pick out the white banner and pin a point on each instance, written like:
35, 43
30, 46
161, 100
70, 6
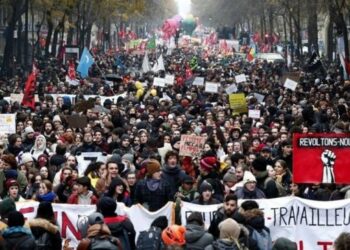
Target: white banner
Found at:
211, 87
311, 224
67, 216
240, 78
198, 81
290, 84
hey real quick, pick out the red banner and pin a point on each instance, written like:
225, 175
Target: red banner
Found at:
321, 158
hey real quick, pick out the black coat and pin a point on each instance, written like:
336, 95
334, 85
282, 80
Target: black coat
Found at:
40, 226
18, 240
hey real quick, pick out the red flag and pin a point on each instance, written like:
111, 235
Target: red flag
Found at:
71, 71
29, 90
189, 73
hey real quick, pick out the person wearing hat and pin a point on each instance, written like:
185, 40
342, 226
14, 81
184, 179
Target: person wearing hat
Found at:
249, 189
12, 188
196, 236
285, 244
84, 195
229, 180
206, 195
266, 152
187, 191
174, 236
153, 192
8, 170
6, 206
119, 225
28, 138
263, 181
16, 236
96, 228
230, 231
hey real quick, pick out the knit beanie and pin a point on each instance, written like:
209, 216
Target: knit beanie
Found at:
230, 176
7, 206
26, 157
229, 229
205, 186
10, 159
208, 163
10, 183
107, 206
284, 244
15, 219
248, 177
152, 167
28, 130
259, 164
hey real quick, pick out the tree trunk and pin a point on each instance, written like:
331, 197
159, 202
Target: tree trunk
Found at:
49, 32
312, 25
19, 42
55, 36
88, 35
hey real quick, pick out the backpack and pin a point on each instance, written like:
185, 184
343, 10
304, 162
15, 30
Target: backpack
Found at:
104, 243
43, 242
149, 239
262, 238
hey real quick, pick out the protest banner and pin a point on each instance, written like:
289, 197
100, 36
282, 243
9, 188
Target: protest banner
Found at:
198, 81
67, 216
211, 87
8, 123
311, 224
321, 158
169, 79
240, 78
191, 145
238, 103
253, 113
290, 84
160, 82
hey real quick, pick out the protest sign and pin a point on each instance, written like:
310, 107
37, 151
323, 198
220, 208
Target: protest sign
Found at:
160, 82
259, 97
321, 158
198, 81
254, 113
85, 158
240, 78
238, 103
77, 121
169, 79
8, 123
290, 84
191, 145
67, 216
295, 76
311, 224
211, 87
231, 89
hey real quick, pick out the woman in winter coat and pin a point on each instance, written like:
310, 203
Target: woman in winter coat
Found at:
45, 229
249, 189
229, 235
39, 147
283, 175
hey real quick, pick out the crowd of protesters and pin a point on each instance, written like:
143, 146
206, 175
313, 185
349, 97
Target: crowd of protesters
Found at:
243, 158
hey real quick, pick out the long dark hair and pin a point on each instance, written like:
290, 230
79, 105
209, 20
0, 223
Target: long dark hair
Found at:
111, 190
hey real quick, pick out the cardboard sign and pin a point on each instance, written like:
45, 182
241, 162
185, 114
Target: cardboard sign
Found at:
8, 123
238, 103
260, 98
191, 145
254, 113
19, 97
321, 158
198, 81
240, 78
295, 76
290, 84
169, 79
211, 87
77, 121
160, 82
231, 89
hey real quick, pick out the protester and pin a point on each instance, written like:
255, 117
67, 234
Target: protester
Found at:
84, 194
196, 237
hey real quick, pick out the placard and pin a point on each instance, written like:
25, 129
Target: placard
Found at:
169, 79
290, 84
231, 89
191, 145
160, 82
198, 81
259, 97
240, 78
211, 87
254, 113
238, 103
8, 123
321, 158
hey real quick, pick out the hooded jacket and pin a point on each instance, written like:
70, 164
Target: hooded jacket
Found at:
18, 238
39, 226
197, 238
119, 225
173, 176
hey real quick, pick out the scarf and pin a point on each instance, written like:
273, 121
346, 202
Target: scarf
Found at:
153, 184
